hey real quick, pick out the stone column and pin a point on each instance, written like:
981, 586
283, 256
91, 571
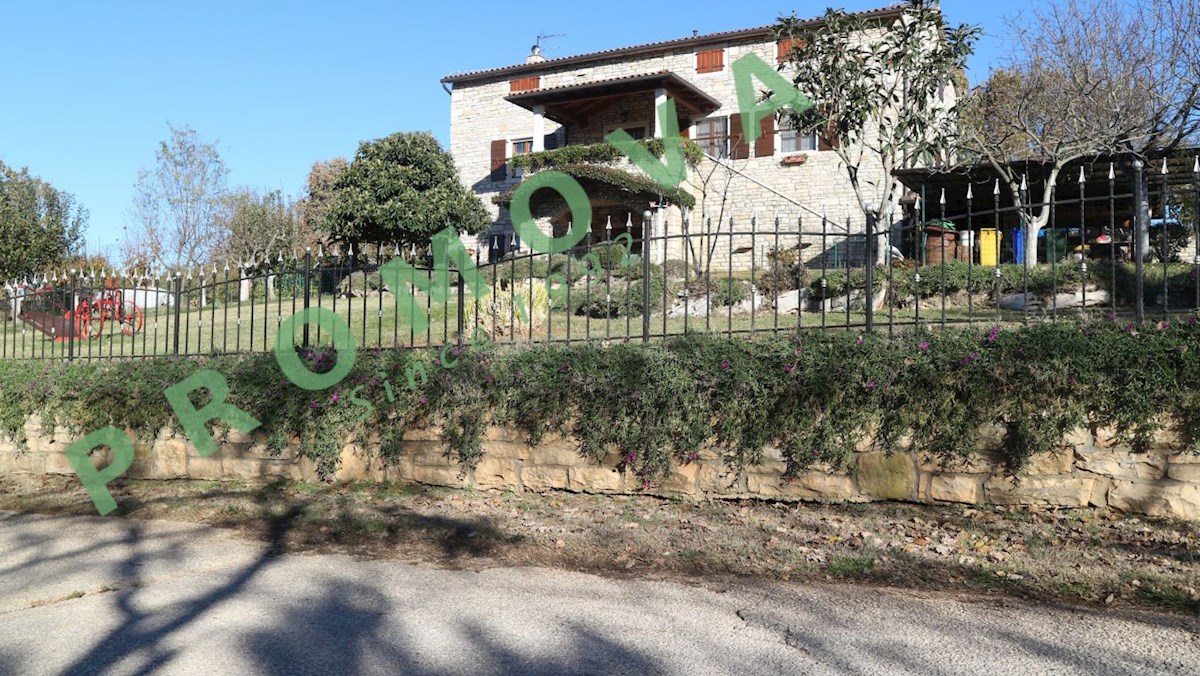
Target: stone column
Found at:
660, 97
539, 128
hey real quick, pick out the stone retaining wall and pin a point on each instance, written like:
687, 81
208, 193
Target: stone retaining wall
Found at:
1089, 471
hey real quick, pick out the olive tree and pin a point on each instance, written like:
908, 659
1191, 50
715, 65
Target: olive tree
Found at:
883, 92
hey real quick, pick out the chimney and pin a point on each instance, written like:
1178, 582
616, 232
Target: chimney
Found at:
535, 56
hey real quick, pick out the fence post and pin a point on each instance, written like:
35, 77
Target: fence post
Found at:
177, 291
645, 277
461, 302
71, 319
1141, 228
869, 247
307, 288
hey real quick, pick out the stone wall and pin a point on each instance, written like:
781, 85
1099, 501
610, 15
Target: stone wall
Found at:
1089, 471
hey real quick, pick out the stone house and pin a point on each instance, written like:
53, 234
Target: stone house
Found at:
546, 104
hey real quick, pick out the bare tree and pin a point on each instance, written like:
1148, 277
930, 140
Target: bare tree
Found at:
179, 205
319, 192
1087, 78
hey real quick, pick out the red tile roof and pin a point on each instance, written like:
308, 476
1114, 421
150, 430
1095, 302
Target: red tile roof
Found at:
649, 47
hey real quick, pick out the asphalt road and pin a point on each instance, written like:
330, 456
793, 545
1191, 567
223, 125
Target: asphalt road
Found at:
91, 595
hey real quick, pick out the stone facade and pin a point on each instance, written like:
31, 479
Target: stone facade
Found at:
796, 187
1088, 472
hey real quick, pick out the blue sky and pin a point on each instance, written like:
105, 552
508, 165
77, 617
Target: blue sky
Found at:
91, 86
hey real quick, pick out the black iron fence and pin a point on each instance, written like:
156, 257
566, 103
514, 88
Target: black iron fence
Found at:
955, 257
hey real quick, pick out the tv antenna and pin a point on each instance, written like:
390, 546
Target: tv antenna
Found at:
540, 38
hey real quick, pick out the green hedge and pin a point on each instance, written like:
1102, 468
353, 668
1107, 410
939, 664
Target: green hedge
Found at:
599, 153
1042, 280
813, 396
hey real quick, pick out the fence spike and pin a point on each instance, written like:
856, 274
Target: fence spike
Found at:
942, 200
996, 190
1024, 181
490, 237
970, 192
396, 253
320, 251
608, 225
1164, 168
513, 242
350, 250
1112, 171
1196, 166
1082, 178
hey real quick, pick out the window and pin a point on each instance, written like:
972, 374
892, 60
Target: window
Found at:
637, 131
712, 135
710, 60
792, 141
524, 84
521, 146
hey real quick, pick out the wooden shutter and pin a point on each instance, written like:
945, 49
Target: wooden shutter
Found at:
784, 48
827, 140
764, 145
685, 128
739, 149
710, 61
499, 160
524, 84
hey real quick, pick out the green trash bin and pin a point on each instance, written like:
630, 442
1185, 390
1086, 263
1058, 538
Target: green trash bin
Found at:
1053, 246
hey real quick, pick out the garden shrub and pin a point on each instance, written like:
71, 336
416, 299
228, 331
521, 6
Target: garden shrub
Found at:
728, 292
632, 300
784, 272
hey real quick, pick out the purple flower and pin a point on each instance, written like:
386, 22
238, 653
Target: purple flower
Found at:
993, 334
800, 351
859, 340
1191, 321
924, 346
424, 401
970, 358
519, 374
1112, 316
334, 399
788, 368
871, 384
1164, 325
725, 364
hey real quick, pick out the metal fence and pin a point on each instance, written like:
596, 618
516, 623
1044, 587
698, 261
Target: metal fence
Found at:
642, 281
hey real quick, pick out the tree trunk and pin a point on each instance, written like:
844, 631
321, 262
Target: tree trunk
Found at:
1032, 228
1143, 206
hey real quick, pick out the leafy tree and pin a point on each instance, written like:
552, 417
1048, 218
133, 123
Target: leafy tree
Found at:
260, 226
39, 224
179, 205
401, 189
1086, 78
883, 94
